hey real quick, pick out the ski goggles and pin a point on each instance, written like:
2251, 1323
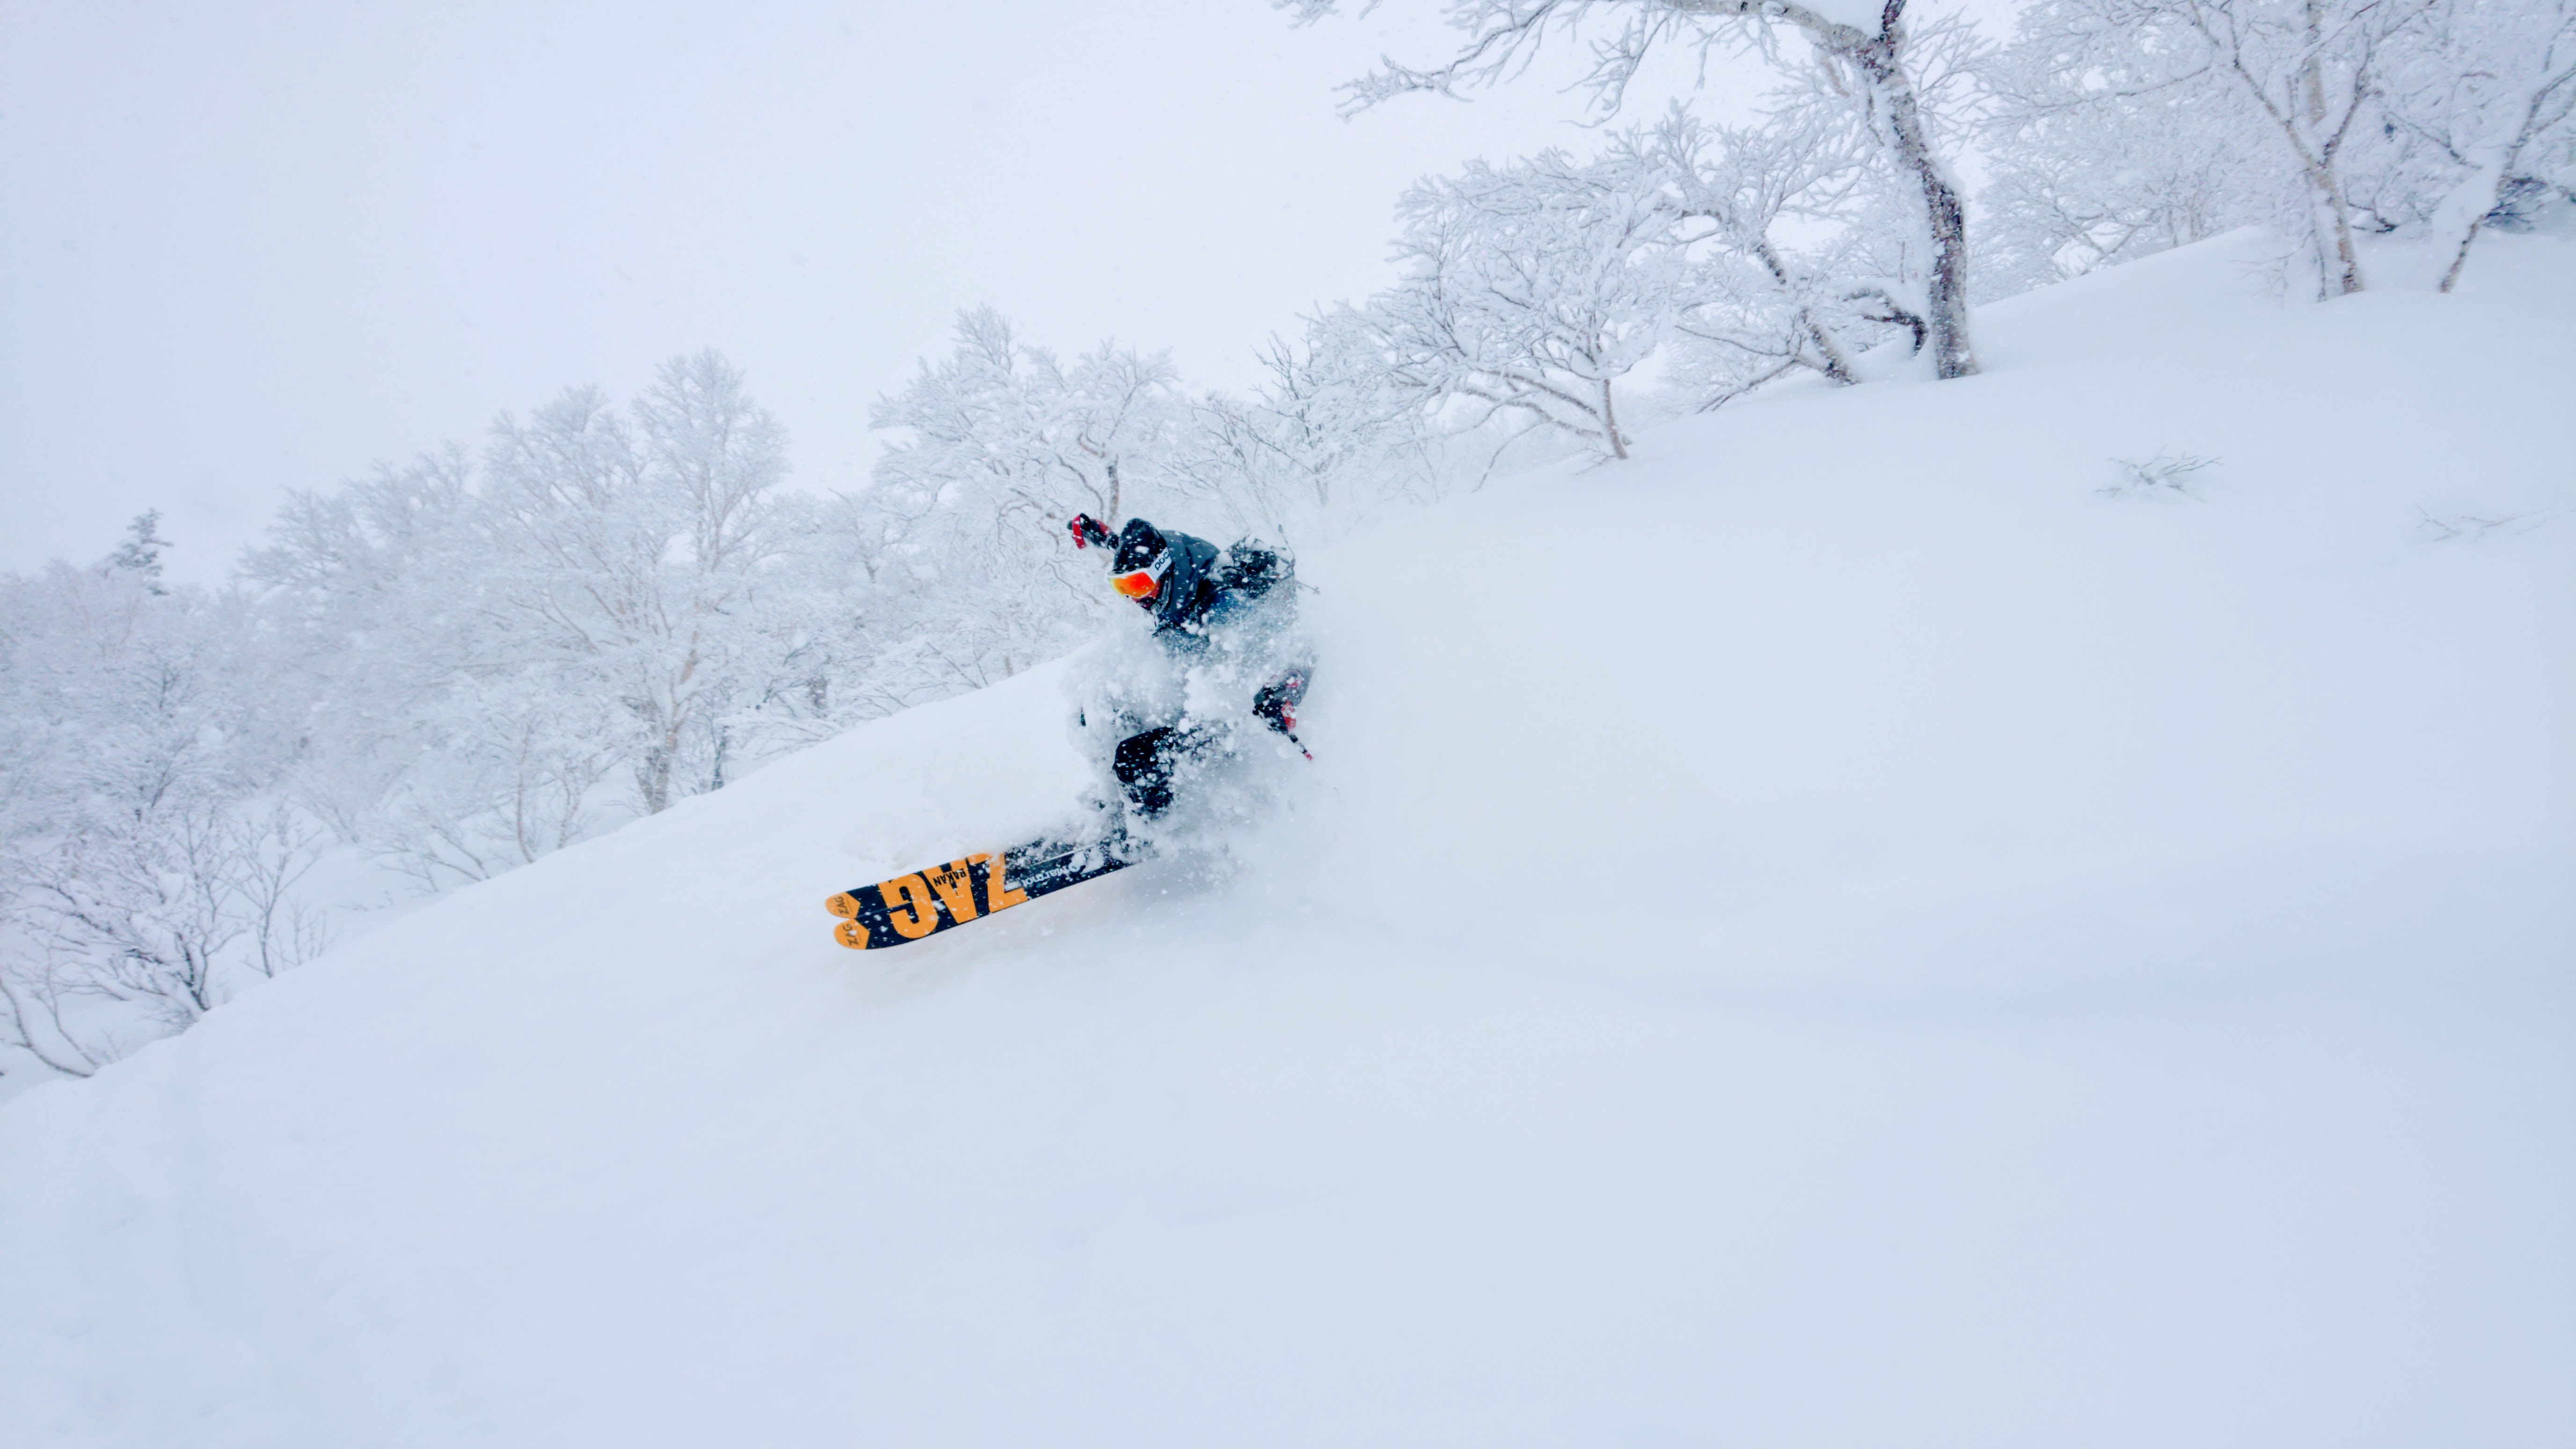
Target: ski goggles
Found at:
1142, 583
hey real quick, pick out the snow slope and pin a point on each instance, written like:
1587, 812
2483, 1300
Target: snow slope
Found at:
1834, 933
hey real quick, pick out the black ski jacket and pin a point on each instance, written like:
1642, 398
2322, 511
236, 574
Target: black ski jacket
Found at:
1208, 586
1191, 595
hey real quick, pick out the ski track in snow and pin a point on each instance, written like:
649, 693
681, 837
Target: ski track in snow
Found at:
1837, 932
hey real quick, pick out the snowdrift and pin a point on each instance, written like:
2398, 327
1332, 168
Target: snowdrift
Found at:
1841, 931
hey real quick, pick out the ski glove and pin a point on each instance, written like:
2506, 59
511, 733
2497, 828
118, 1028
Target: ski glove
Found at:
1087, 531
1276, 704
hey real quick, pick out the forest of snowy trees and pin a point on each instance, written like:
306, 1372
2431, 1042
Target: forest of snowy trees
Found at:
463, 662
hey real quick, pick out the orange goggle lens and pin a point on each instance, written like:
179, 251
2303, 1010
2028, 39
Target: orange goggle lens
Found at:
1139, 585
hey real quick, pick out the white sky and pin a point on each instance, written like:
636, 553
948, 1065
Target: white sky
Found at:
246, 247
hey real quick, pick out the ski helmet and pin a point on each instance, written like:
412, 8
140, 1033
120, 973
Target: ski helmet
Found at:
1142, 559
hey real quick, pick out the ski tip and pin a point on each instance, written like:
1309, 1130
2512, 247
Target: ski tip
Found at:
842, 904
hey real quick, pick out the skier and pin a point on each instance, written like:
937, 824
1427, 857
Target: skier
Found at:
1222, 618
1203, 599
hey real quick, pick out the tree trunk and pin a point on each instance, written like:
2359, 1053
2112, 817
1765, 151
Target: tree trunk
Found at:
2314, 72
2465, 210
2301, 114
1610, 423
2346, 262
1944, 221
1829, 353
2459, 259
653, 778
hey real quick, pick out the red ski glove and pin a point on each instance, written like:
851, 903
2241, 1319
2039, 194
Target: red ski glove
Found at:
1087, 530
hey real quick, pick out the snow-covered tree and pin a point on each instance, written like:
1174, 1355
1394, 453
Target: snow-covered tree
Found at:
2109, 139
631, 554
1874, 56
134, 724
1534, 287
1531, 287
140, 554
2489, 87
370, 592
486, 647
2311, 70
459, 664
2123, 126
1795, 251
1004, 442
1330, 431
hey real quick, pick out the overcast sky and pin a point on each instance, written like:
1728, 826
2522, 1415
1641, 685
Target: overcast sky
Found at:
247, 247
